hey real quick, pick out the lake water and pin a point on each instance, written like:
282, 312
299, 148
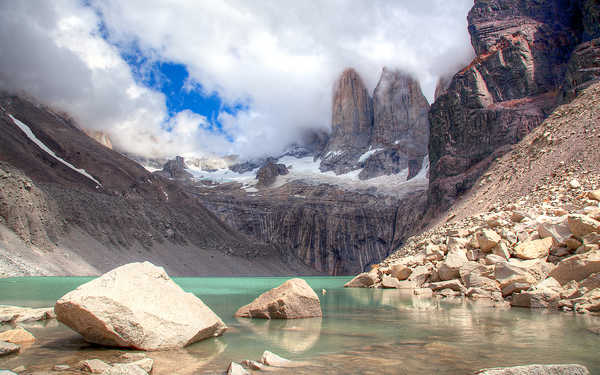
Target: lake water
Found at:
363, 331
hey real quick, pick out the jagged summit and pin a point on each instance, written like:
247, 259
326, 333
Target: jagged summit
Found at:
382, 134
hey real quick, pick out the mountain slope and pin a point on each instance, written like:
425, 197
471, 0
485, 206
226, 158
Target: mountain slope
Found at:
58, 220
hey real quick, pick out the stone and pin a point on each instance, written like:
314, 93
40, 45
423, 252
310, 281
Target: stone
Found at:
95, 366
400, 271
501, 250
450, 267
536, 370
253, 365
471, 266
492, 259
506, 274
577, 267
291, 300
543, 295
138, 306
272, 359
591, 282
145, 364
8, 348
591, 238
236, 369
19, 369
573, 243
18, 335
517, 216
580, 225
514, 287
124, 369
419, 275
574, 184
362, 280
61, 367
558, 230
487, 239
389, 282
18, 314
534, 249
449, 284
595, 195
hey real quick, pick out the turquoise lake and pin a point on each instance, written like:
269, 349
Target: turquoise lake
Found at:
363, 331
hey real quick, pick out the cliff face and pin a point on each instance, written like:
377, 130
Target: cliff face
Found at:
523, 49
334, 231
351, 124
400, 112
352, 113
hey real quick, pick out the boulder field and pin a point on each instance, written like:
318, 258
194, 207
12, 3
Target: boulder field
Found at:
537, 257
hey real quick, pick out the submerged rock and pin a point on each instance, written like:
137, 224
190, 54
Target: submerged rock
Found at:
291, 300
18, 314
137, 305
272, 359
236, 369
18, 335
536, 370
8, 348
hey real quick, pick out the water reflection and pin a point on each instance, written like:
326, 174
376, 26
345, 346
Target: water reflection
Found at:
294, 335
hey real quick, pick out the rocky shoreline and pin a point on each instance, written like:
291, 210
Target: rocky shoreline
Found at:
538, 257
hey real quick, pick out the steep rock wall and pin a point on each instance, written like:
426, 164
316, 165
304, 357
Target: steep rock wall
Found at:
523, 49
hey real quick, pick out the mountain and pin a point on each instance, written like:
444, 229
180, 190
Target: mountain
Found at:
527, 233
381, 134
71, 206
524, 50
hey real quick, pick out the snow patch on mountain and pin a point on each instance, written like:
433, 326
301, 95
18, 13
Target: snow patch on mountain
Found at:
368, 154
41, 145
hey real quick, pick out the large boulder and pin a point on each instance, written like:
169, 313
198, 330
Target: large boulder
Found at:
534, 249
138, 306
536, 370
487, 239
400, 271
362, 280
506, 274
450, 268
291, 300
543, 295
580, 225
577, 267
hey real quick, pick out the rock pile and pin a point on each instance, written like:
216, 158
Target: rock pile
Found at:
531, 256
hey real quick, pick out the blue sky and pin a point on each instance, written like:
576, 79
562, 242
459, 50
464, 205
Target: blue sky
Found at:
170, 78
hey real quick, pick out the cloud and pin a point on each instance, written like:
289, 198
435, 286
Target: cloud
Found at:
278, 59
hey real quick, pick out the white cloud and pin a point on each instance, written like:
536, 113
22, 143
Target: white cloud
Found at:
280, 58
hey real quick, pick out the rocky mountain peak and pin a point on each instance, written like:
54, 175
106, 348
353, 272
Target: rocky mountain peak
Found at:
352, 113
400, 111
175, 168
